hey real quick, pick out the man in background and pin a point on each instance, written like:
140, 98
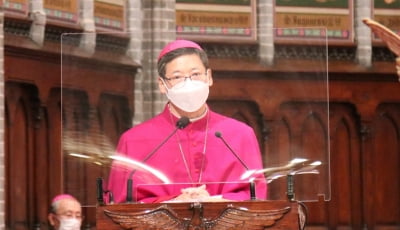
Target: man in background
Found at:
65, 213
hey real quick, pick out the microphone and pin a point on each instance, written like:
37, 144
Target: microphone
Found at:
180, 124
99, 186
101, 192
252, 185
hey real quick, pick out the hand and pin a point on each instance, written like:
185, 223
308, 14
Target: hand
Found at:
193, 194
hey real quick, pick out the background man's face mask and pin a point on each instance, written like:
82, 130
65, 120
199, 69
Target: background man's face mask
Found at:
69, 224
188, 95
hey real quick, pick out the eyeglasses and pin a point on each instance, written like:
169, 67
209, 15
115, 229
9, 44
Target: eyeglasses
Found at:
178, 78
69, 215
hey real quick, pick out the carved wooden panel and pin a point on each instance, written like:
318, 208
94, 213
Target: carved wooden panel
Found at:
93, 132
381, 168
218, 215
35, 161
362, 124
26, 158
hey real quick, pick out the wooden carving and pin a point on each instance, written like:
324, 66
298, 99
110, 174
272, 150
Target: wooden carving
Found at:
242, 218
391, 39
231, 217
160, 218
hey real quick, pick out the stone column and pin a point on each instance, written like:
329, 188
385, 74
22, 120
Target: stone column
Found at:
152, 26
161, 30
265, 32
86, 12
363, 32
135, 51
38, 17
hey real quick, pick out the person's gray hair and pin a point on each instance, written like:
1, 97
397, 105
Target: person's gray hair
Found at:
54, 206
55, 203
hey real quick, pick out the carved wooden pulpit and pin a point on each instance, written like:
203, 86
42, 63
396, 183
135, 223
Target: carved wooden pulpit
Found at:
205, 215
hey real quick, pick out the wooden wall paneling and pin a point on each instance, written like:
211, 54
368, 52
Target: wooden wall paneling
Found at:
90, 167
22, 106
42, 160
344, 208
75, 109
382, 183
37, 68
277, 150
40, 71
367, 167
91, 172
77, 119
115, 116
53, 105
303, 129
298, 132
107, 121
40, 166
96, 77
37, 73
366, 95
93, 131
98, 166
269, 92
309, 128
17, 186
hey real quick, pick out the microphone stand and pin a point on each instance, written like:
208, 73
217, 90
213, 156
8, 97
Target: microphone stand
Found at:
99, 186
290, 187
130, 180
253, 195
180, 124
100, 192
252, 183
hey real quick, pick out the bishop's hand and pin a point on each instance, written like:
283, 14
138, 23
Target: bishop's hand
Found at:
193, 194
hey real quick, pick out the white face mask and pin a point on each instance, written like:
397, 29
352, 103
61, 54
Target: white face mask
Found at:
188, 95
69, 224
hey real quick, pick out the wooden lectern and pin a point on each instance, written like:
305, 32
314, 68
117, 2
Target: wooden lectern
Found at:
205, 215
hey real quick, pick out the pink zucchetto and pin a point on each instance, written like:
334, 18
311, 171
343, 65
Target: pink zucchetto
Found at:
177, 44
61, 197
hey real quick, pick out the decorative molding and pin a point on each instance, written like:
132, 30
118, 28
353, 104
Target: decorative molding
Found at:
16, 7
217, 20
116, 44
231, 51
17, 27
287, 52
383, 54
54, 33
307, 20
164, 216
65, 11
110, 15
